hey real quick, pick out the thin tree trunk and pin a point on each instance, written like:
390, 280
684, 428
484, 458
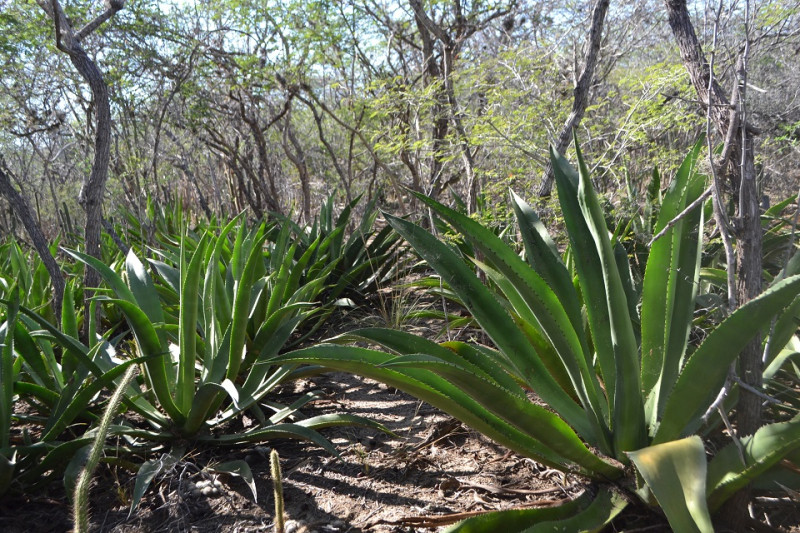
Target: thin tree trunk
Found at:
737, 164
93, 188
294, 151
23, 211
581, 91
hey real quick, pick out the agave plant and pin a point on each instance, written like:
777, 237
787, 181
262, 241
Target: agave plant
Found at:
365, 260
622, 386
201, 330
57, 379
205, 364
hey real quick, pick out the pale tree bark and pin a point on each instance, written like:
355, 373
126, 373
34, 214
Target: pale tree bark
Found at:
22, 210
297, 155
581, 92
439, 74
91, 195
737, 167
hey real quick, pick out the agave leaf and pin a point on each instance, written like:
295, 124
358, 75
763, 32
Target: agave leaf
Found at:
112, 278
762, 450
537, 304
790, 353
521, 413
66, 342
706, 370
784, 329
676, 474
241, 309
495, 320
669, 288
240, 469
565, 360
404, 343
290, 410
52, 459
588, 266
69, 325
281, 284
607, 306
141, 285
75, 467
70, 406
149, 470
278, 431
582, 515
155, 353
7, 377
543, 256
439, 392
191, 272
628, 413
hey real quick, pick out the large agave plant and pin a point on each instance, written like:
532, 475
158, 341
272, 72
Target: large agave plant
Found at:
622, 384
203, 330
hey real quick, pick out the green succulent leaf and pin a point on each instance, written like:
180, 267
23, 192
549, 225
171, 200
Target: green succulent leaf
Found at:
668, 293
495, 320
762, 450
582, 515
676, 474
240, 469
704, 373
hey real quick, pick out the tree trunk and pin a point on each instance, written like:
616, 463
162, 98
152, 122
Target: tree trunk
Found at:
22, 210
581, 91
93, 188
429, 33
738, 166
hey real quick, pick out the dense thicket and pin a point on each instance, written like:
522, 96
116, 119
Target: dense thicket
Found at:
268, 106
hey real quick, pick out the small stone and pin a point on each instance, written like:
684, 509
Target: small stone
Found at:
292, 526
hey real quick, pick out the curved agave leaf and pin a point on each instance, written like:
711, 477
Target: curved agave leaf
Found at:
784, 329
668, 291
676, 474
150, 345
289, 431
149, 470
705, 372
495, 320
582, 515
238, 468
428, 386
762, 450
606, 302
191, 274
521, 413
143, 289
7, 376
544, 258
404, 343
537, 304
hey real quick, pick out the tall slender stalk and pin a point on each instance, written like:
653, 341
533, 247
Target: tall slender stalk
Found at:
80, 504
277, 484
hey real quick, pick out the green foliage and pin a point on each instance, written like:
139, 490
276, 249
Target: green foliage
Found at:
203, 318
619, 386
